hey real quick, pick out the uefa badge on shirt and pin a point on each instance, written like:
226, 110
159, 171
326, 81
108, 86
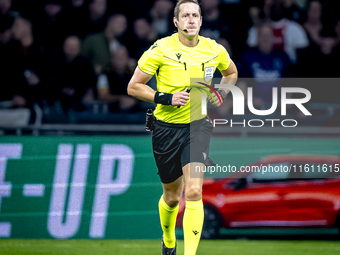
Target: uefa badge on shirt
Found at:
208, 73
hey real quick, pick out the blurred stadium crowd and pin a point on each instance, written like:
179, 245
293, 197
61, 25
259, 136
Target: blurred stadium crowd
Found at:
75, 57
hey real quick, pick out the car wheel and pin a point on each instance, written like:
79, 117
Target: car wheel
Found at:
212, 223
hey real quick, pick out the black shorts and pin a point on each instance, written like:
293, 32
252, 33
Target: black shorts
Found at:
175, 145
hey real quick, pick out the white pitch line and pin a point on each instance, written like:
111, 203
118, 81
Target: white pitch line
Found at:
33, 190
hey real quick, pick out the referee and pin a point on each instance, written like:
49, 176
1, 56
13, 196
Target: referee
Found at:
181, 134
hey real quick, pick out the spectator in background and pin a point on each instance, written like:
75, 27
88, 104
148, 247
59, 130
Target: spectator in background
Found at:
337, 33
313, 24
145, 35
293, 11
320, 60
161, 15
99, 47
6, 21
255, 15
288, 35
336, 49
266, 65
77, 3
113, 87
259, 11
75, 76
323, 47
330, 13
240, 68
50, 26
267, 6
33, 60
6, 10
5, 30
227, 105
5, 7
211, 27
216, 25
12, 80
96, 17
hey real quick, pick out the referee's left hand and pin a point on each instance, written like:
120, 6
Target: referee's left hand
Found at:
216, 100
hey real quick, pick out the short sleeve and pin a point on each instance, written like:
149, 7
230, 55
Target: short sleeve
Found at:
224, 58
151, 59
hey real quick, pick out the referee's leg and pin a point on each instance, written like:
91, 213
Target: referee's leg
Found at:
168, 209
194, 213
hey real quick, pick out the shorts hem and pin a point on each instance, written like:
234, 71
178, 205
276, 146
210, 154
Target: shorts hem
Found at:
169, 181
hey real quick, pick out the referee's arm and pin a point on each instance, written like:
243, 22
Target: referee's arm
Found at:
229, 76
137, 88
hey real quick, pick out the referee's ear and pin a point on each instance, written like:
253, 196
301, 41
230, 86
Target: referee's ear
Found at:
175, 21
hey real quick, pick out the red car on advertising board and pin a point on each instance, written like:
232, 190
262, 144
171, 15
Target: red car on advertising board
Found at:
305, 192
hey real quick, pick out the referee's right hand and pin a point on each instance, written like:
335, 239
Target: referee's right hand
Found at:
180, 98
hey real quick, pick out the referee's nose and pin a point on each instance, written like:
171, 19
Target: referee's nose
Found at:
191, 19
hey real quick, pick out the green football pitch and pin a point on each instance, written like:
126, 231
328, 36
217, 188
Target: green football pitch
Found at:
150, 247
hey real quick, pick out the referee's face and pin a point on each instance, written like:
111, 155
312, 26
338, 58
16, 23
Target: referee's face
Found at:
189, 18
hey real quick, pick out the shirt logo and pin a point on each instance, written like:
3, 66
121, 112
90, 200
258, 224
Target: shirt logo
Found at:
154, 46
208, 73
178, 55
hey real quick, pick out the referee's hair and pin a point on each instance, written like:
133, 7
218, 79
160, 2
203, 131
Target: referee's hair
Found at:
179, 2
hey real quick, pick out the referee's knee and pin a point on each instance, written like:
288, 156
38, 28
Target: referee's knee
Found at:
172, 199
193, 193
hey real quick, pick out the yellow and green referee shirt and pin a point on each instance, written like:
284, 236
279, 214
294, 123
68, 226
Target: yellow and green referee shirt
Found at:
177, 67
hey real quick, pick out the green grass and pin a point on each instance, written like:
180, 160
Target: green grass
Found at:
150, 247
